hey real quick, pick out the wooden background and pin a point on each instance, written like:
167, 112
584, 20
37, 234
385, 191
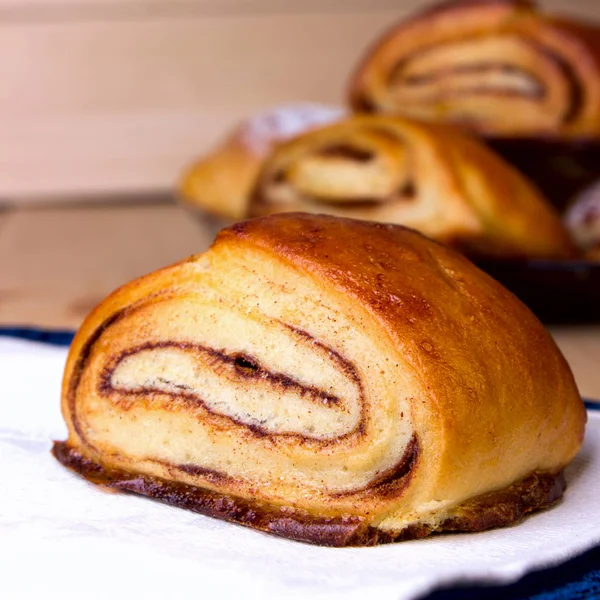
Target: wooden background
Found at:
111, 98
104, 96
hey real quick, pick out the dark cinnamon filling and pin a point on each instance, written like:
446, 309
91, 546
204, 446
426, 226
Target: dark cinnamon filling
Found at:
495, 509
209, 475
406, 192
576, 87
392, 482
482, 68
396, 478
572, 109
362, 103
279, 176
356, 203
243, 365
82, 360
260, 197
348, 152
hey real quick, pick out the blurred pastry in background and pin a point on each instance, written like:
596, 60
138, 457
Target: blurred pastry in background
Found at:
433, 178
583, 221
499, 67
527, 81
221, 182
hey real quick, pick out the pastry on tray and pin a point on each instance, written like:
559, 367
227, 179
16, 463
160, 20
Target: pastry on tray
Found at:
327, 380
430, 177
527, 80
583, 221
220, 182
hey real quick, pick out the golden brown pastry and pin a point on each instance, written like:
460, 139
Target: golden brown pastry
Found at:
527, 80
499, 66
220, 182
583, 221
429, 177
328, 380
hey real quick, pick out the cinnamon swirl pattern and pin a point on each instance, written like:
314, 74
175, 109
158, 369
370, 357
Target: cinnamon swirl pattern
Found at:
327, 380
220, 182
425, 176
499, 67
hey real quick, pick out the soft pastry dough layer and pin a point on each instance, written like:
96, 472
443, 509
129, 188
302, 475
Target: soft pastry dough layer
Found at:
499, 67
220, 181
429, 177
329, 380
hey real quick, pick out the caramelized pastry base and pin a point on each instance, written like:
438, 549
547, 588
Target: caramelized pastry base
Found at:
496, 509
560, 168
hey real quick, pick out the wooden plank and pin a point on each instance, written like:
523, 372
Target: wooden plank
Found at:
79, 9
4, 214
120, 101
64, 261
124, 105
581, 347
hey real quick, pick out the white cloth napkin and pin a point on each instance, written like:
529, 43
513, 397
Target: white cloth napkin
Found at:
62, 538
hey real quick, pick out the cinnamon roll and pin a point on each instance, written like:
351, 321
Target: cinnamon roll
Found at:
220, 182
583, 221
499, 66
328, 380
429, 177
526, 80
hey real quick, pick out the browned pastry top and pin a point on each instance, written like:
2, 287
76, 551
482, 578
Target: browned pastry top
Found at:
383, 268
220, 181
326, 379
501, 67
431, 177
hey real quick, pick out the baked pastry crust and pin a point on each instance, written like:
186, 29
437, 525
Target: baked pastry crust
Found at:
328, 380
494, 509
583, 221
220, 182
499, 67
430, 177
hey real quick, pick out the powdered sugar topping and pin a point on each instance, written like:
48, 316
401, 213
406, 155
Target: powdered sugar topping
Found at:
583, 217
281, 123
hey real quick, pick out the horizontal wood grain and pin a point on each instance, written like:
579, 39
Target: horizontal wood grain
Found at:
122, 106
118, 96
63, 261
78, 9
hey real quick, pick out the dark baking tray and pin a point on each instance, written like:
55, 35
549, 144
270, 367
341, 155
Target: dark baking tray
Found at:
556, 291
562, 169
